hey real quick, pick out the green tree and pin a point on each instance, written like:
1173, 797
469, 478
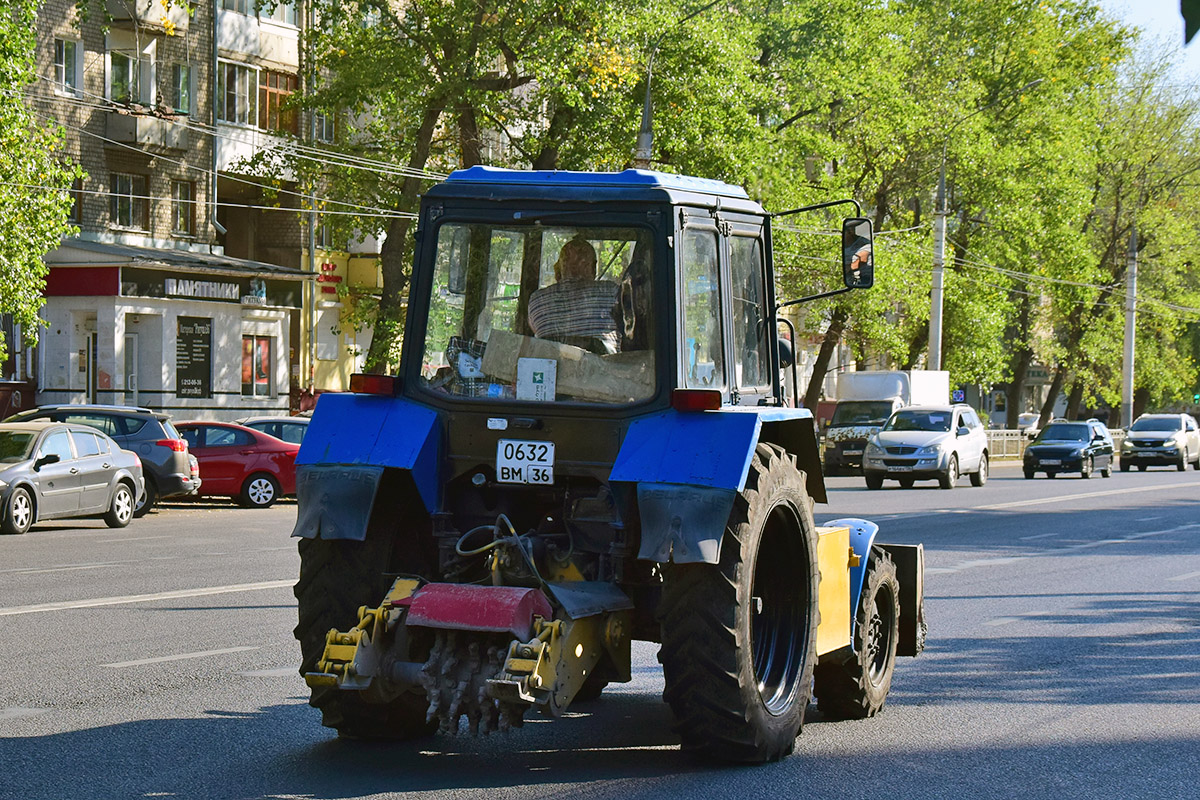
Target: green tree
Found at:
34, 181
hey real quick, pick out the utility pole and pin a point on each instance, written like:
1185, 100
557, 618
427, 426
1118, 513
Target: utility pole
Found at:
1130, 319
939, 263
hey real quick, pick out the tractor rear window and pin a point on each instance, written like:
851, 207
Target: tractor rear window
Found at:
541, 313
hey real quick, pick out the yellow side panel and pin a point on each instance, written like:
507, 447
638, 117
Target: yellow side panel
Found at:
833, 559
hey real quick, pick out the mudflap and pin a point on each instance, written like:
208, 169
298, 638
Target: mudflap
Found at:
910, 571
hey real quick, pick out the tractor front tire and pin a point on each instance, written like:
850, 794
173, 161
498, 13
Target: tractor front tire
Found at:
739, 637
336, 578
858, 687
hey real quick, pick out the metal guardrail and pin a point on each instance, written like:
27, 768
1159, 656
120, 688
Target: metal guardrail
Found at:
1006, 444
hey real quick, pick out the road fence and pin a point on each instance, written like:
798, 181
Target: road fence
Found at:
1006, 444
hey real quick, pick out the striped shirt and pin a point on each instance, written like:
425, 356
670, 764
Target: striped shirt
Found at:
575, 308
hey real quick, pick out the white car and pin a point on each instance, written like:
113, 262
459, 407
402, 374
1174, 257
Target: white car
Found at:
1167, 440
928, 443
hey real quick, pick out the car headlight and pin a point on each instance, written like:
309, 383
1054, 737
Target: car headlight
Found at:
1126, 444
1170, 444
930, 450
874, 449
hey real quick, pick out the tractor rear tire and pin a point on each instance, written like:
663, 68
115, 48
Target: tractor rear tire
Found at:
336, 578
739, 637
858, 687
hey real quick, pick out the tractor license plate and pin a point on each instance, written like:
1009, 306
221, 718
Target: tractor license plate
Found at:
1050, 462
520, 461
900, 469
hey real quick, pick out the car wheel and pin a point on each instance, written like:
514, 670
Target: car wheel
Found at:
1124, 467
950, 477
20, 512
259, 491
1085, 468
906, 483
1141, 467
1183, 462
1051, 473
1029, 474
1106, 472
148, 502
120, 510
979, 477
874, 480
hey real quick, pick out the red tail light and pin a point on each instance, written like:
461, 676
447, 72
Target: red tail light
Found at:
362, 383
178, 445
695, 399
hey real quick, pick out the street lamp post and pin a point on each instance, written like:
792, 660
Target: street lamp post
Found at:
939, 236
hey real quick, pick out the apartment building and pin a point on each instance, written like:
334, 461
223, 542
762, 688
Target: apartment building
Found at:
184, 288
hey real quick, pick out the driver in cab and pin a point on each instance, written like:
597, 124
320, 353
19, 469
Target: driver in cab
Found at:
577, 309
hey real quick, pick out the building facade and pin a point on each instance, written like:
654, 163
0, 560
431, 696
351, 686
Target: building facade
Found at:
184, 288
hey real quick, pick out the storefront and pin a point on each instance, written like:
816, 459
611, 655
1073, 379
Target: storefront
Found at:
197, 335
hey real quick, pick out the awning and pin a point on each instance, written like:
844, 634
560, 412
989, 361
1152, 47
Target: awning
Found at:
86, 253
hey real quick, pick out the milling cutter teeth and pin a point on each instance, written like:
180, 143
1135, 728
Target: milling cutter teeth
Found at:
455, 678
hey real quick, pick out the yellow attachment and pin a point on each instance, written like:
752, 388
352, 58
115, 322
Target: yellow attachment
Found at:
350, 659
834, 559
550, 669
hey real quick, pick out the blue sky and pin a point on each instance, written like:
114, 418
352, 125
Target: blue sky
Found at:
1160, 20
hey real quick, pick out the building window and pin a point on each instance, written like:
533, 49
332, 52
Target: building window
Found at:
273, 92
66, 65
324, 125
256, 366
76, 201
237, 93
181, 79
323, 236
130, 206
183, 207
284, 11
240, 6
123, 78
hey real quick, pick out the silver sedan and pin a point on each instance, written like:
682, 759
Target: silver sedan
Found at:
51, 470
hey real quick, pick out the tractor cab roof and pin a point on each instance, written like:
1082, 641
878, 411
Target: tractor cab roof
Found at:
631, 185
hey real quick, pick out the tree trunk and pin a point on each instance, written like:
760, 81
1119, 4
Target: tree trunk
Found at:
1022, 357
1075, 399
1056, 384
837, 323
918, 345
393, 255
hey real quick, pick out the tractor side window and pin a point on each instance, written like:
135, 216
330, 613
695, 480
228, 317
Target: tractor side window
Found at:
703, 347
751, 331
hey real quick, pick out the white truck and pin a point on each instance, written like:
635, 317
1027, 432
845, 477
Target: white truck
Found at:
864, 402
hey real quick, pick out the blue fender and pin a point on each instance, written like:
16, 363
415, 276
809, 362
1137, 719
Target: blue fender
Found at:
862, 536
351, 439
686, 468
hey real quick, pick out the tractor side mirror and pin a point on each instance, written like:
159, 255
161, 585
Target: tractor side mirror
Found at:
858, 259
787, 355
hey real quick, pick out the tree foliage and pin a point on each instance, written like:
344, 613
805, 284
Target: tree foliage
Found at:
34, 202
1055, 143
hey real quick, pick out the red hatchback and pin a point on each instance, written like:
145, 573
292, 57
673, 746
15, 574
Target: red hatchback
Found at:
235, 461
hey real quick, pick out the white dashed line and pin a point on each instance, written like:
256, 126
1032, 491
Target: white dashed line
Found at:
61, 569
1186, 577
278, 672
1039, 536
132, 539
67, 605
17, 712
1081, 496
178, 657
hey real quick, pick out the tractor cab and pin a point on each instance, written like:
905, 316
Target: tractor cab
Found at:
582, 289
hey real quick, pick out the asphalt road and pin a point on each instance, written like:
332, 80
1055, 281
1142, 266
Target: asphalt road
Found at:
158, 661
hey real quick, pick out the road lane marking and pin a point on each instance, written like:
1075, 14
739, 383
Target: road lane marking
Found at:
61, 569
278, 672
1010, 559
1081, 496
67, 605
16, 712
179, 657
1039, 536
1186, 577
131, 539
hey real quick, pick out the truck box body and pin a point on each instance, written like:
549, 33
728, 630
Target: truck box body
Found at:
865, 401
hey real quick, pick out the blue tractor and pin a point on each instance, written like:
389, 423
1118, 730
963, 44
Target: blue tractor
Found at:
588, 442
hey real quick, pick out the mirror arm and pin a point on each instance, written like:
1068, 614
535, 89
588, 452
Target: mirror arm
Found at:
792, 368
812, 297
830, 204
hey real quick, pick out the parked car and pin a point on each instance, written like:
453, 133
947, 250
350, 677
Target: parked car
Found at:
928, 443
289, 429
1078, 446
1170, 440
148, 433
49, 470
239, 462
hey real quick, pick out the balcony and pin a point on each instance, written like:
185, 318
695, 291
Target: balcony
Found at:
144, 130
150, 14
